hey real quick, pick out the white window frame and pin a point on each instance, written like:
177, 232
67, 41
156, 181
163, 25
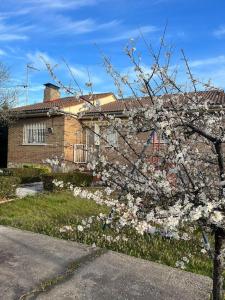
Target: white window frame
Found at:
97, 134
80, 153
111, 137
34, 133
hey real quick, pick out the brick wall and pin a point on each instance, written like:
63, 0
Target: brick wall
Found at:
73, 134
67, 131
19, 153
151, 153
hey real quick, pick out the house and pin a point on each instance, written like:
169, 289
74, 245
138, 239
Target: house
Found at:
35, 136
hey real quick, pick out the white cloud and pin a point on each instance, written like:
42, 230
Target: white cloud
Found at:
62, 4
220, 32
37, 88
17, 12
12, 37
81, 74
212, 68
10, 32
2, 52
215, 74
66, 25
26, 6
126, 35
36, 60
208, 61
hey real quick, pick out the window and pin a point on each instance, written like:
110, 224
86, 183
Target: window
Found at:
164, 138
80, 153
97, 135
111, 137
158, 138
34, 133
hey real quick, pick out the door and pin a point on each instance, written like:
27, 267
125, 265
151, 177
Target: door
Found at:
3, 146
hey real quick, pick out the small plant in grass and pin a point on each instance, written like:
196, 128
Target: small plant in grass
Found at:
8, 186
60, 181
148, 246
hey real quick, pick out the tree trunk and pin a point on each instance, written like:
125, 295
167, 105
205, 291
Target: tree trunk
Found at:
218, 266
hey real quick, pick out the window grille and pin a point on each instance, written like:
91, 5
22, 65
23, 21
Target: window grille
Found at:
34, 133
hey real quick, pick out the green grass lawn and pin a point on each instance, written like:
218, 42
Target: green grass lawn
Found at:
48, 213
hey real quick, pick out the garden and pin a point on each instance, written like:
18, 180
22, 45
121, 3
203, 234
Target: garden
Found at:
78, 215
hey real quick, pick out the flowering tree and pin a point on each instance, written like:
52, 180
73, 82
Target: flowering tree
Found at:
181, 182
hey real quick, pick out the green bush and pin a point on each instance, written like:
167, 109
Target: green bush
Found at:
74, 178
8, 185
26, 174
42, 168
5, 172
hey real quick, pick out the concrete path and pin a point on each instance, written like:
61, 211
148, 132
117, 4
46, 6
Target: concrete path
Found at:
29, 189
34, 266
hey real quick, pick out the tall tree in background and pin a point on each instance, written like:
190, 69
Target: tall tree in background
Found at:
7, 96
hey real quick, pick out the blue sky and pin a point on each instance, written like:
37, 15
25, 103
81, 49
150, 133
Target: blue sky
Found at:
69, 29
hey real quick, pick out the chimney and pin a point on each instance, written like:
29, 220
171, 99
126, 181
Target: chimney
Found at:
51, 92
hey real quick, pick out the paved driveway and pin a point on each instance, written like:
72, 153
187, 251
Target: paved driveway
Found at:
29, 189
34, 266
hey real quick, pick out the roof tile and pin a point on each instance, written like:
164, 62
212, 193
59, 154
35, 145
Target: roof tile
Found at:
215, 97
62, 102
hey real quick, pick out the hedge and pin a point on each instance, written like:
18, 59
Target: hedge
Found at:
8, 185
26, 174
44, 169
74, 178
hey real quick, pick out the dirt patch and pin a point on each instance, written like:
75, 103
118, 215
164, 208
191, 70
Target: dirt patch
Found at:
4, 200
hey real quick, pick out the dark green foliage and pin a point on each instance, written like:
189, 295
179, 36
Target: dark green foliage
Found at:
42, 168
8, 185
26, 174
74, 178
5, 172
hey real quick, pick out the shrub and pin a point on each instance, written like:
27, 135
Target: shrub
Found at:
5, 172
8, 185
26, 175
75, 178
42, 168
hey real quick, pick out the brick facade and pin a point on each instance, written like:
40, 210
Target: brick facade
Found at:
58, 143
73, 134
68, 131
58, 134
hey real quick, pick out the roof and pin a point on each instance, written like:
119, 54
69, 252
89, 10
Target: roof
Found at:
60, 103
215, 97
